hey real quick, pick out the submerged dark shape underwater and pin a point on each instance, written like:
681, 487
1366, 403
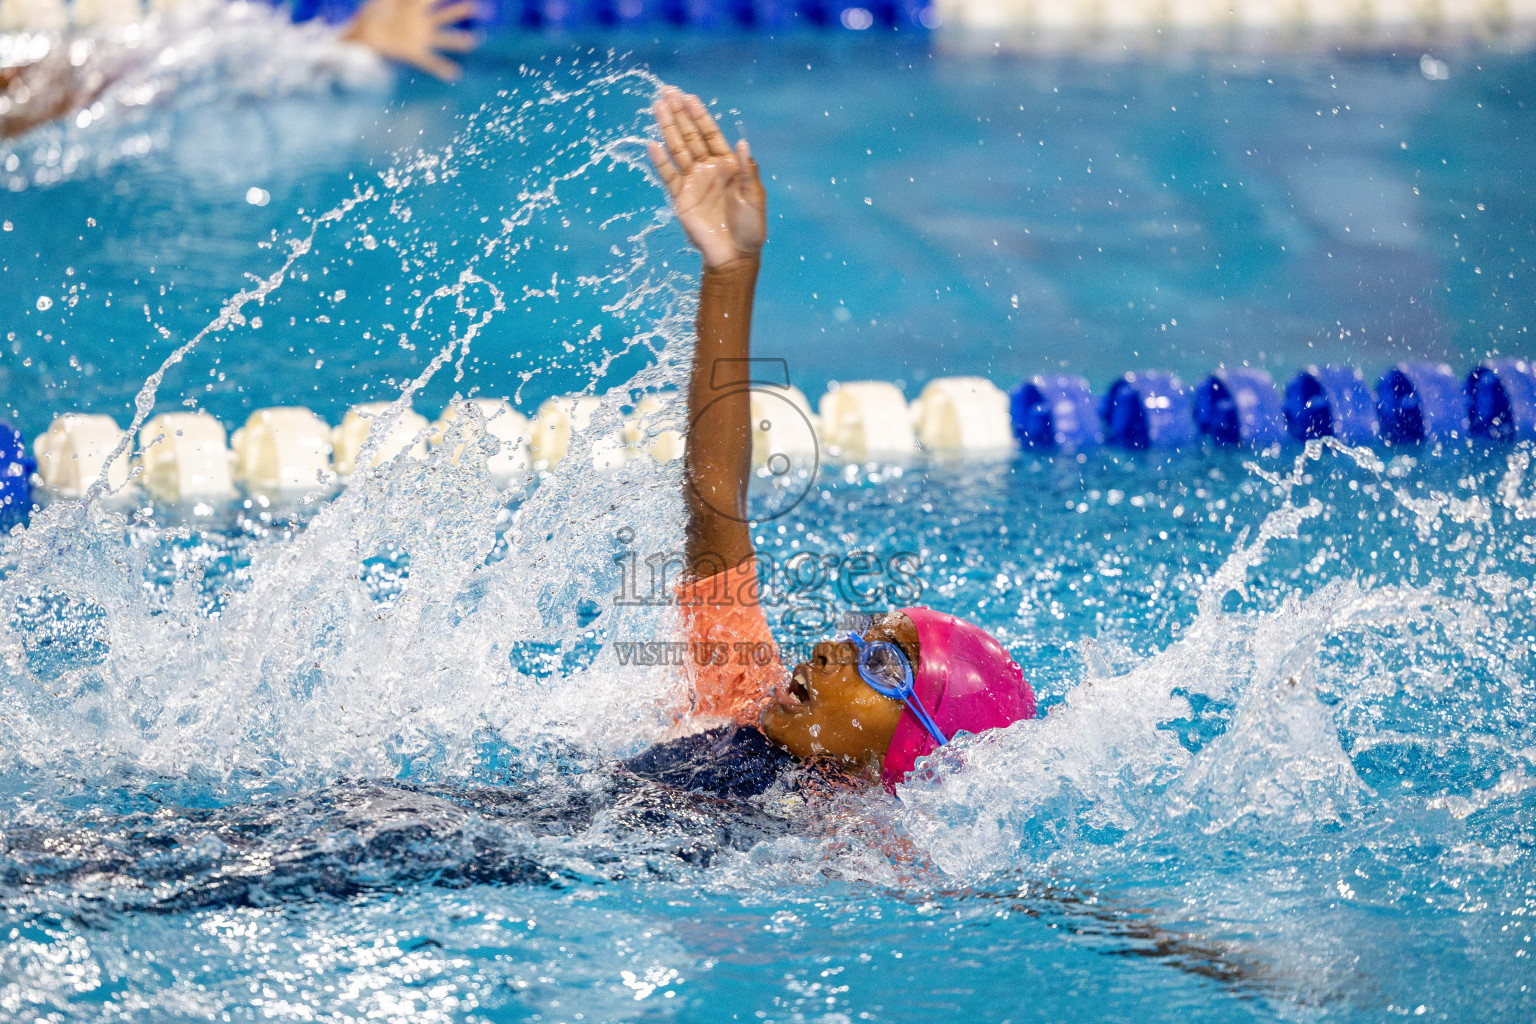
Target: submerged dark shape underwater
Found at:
651, 816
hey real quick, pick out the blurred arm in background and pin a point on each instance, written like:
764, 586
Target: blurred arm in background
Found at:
43, 90
46, 75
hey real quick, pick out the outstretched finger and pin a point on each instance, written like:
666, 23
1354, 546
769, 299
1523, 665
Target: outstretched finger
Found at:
666, 120
744, 158
690, 131
453, 13
455, 41
438, 67
664, 169
714, 141
749, 183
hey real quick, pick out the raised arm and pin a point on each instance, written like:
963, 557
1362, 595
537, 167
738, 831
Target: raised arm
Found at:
719, 200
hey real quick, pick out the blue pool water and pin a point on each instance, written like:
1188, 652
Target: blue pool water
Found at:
358, 758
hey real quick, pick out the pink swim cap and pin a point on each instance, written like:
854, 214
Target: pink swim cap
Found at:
966, 681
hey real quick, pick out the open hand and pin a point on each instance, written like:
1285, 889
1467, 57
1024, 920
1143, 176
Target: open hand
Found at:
416, 32
716, 192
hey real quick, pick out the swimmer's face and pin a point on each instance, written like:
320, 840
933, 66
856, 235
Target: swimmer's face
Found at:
829, 711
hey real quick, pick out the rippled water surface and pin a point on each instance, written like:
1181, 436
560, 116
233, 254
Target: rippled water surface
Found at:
360, 756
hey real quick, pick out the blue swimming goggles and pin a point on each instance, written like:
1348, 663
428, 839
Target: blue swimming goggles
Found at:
885, 668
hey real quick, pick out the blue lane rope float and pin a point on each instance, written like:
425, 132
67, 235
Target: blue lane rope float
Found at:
1240, 405
1026, 26
1330, 401
1415, 403
704, 15
1501, 400
1421, 402
1054, 411
332, 12
1023, 23
1148, 409
16, 469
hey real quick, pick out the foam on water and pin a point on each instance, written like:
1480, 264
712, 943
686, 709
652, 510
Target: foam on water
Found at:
1292, 767
303, 674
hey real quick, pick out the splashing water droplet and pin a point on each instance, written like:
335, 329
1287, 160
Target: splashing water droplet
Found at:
510, 624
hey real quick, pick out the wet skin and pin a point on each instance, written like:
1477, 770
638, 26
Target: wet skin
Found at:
826, 710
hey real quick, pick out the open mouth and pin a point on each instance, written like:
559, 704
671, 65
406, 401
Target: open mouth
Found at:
798, 690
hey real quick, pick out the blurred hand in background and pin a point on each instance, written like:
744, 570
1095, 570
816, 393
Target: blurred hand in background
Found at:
415, 32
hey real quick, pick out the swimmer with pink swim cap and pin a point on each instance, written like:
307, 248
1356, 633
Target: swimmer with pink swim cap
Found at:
878, 697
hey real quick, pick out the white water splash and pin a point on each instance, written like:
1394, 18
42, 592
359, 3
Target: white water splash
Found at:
303, 674
1341, 671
